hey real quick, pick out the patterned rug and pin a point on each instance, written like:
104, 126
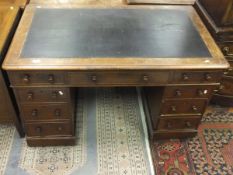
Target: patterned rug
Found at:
111, 140
6, 138
209, 153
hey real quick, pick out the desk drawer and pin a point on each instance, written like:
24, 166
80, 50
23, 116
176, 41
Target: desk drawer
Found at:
36, 78
178, 123
189, 91
195, 106
42, 94
196, 77
226, 87
118, 78
46, 112
49, 129
230, 71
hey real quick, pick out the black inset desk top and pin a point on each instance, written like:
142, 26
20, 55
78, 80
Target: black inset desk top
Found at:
117, 33
73, 37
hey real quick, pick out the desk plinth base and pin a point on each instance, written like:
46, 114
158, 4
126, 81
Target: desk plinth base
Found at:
51, 141
160, 135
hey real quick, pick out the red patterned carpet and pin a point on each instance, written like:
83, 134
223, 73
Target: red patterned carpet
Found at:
209, 153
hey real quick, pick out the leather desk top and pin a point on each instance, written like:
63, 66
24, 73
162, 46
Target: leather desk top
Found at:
156, 37
121, 33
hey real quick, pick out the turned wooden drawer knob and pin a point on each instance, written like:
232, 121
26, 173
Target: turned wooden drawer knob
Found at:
194, 108
57, 112
185, 77
145, 78
26, 78
38, 129
188, 124
208, 77
173, 108
60, 128
178, 93
30, 96
51, 78
200, 92
169, 125
226, 51
94, 78
221, 87
34, 112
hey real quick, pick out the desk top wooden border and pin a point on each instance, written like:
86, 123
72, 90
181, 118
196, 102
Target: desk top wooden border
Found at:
171, 2
13, 61
7, 23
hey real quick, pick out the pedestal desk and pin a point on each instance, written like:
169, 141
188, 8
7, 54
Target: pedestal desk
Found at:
166, 50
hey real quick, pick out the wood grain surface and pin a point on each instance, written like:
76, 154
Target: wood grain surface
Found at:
19, 3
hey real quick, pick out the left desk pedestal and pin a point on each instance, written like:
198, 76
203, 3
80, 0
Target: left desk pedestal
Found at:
47, 114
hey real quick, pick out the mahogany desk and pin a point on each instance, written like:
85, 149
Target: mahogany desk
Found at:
165, 49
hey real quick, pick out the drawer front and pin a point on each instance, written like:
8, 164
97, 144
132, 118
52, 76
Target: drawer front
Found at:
178, 123
189, 91
46, 112
36, 78
226, 87
196, 77
174, 134
118, 78
194, 106
223, 37
42, 94
49, 129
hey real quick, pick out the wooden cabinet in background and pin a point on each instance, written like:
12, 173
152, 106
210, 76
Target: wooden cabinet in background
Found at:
6, 113
9, 16
218, 17
18, 3
221, 11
